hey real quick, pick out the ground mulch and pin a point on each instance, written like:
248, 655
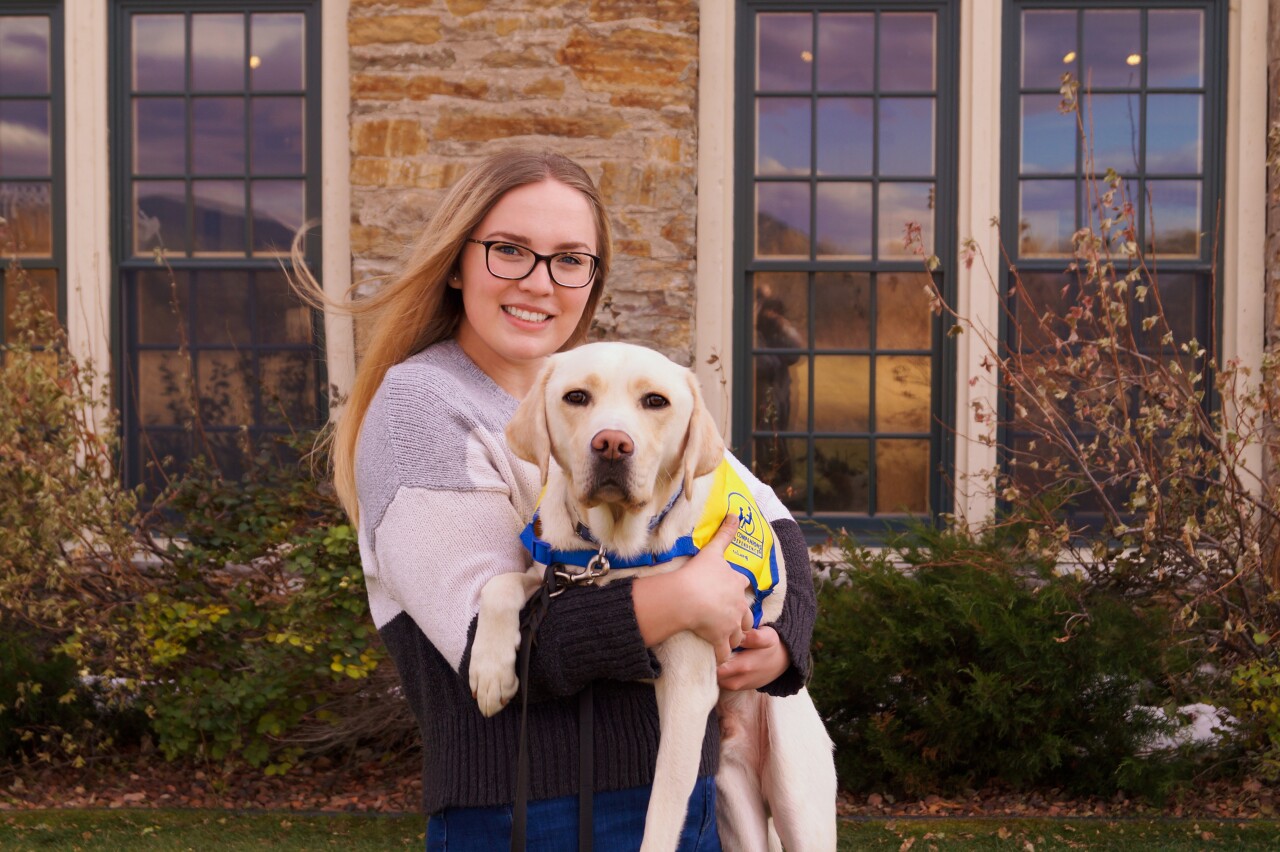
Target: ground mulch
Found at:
363, 784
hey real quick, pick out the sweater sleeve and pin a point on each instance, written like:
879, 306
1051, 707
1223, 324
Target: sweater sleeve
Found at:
449, 521
800, 607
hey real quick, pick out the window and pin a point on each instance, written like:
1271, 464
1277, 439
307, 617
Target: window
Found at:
1151, 94
31, 184
846, 134
216, 112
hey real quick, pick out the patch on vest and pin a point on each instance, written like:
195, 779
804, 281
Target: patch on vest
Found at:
752, 550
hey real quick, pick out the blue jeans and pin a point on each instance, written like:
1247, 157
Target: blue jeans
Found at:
617, 821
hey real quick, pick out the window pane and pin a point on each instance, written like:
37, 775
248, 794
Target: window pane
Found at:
163, 380
1115, 121
1041, 295
781, 392
901, 203
782, 220
154, 446
781, 304
781, 463
902, 476
217, 137
24, 139
1112, 48
276, 133
903, 317
277, 214
222, 308
1175, 126
157, 320
841, 475
844, 220
160, 216
1048, 136
844, 136
842, 393
223, 380
159, 136
289, 389
784, 57
903, 393
276, 49
217, 52
782, 136
24, 55
1048, 48
159, 53
846, 51
1183, 297
842, 310
1048, 217
42, 282
1175, 38
1175, 210
282, 318
28, 208
219, 216
906, 136
906, 51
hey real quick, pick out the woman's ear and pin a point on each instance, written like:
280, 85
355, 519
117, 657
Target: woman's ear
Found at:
703, 446
527, 433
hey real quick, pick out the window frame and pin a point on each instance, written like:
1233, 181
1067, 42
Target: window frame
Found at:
871, 525
1214, 193
123, 263
57, 260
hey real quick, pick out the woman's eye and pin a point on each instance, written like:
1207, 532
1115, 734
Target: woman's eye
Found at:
507, 249
569, 260
655, 400
577, 397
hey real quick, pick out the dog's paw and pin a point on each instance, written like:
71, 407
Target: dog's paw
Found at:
493, 672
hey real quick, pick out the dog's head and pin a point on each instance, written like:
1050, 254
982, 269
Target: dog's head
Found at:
621, 422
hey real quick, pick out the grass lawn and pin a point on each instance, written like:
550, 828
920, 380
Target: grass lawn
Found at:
203, 830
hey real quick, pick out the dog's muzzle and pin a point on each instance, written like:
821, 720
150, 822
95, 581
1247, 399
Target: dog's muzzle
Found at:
611, 454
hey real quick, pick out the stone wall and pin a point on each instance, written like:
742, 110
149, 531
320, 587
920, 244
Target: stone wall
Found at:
437, 84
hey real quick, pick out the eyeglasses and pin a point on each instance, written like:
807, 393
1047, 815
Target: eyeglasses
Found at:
515, 262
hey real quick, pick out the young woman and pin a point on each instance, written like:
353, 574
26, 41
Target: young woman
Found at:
508, 271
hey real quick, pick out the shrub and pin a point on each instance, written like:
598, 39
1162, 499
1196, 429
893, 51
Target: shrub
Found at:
952, 661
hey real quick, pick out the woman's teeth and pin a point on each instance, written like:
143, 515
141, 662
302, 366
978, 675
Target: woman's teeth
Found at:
527, 316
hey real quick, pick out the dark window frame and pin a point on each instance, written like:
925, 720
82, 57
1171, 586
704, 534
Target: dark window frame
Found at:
125, 346
57, 260
1213, 175
871, 525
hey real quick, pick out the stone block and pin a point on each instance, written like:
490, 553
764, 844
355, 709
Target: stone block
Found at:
393, 29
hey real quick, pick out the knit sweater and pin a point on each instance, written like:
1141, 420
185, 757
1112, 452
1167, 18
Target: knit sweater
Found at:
442, 503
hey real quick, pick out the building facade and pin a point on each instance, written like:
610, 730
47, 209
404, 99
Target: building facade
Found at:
762, 161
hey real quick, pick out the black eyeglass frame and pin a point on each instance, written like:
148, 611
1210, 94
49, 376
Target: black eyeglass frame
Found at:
544, 258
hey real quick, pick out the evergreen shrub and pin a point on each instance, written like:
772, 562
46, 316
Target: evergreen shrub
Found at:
949, 661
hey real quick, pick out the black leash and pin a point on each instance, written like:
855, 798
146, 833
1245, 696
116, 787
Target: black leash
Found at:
586, 758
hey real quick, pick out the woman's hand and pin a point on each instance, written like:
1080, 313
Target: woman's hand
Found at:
761, 659
704, 596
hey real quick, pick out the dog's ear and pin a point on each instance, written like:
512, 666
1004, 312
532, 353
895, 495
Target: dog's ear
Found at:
703, 446
527, 433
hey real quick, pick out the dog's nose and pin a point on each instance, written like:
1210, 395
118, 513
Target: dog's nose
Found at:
612, 444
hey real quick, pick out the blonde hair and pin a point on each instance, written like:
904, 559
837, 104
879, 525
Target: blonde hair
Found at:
416, 307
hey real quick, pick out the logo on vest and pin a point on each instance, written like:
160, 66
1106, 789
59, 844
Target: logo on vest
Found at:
749, 537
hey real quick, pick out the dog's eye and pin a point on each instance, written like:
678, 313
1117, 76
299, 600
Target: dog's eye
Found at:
577, 397
655, 400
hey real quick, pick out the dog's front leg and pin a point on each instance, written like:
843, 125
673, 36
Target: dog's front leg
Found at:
492, 672
686, 692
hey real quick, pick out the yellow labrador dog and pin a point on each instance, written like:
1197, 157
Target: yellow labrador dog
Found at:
619, 432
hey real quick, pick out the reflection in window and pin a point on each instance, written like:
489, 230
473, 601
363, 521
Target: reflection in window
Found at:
30, 191
843, 111
219, 169
1152, 112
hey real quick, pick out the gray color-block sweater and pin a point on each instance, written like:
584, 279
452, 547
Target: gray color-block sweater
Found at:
442, 503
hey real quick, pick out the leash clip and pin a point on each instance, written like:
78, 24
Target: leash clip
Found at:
597, 567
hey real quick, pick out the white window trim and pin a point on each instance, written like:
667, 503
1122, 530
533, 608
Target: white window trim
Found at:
1244, 208
88, 170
